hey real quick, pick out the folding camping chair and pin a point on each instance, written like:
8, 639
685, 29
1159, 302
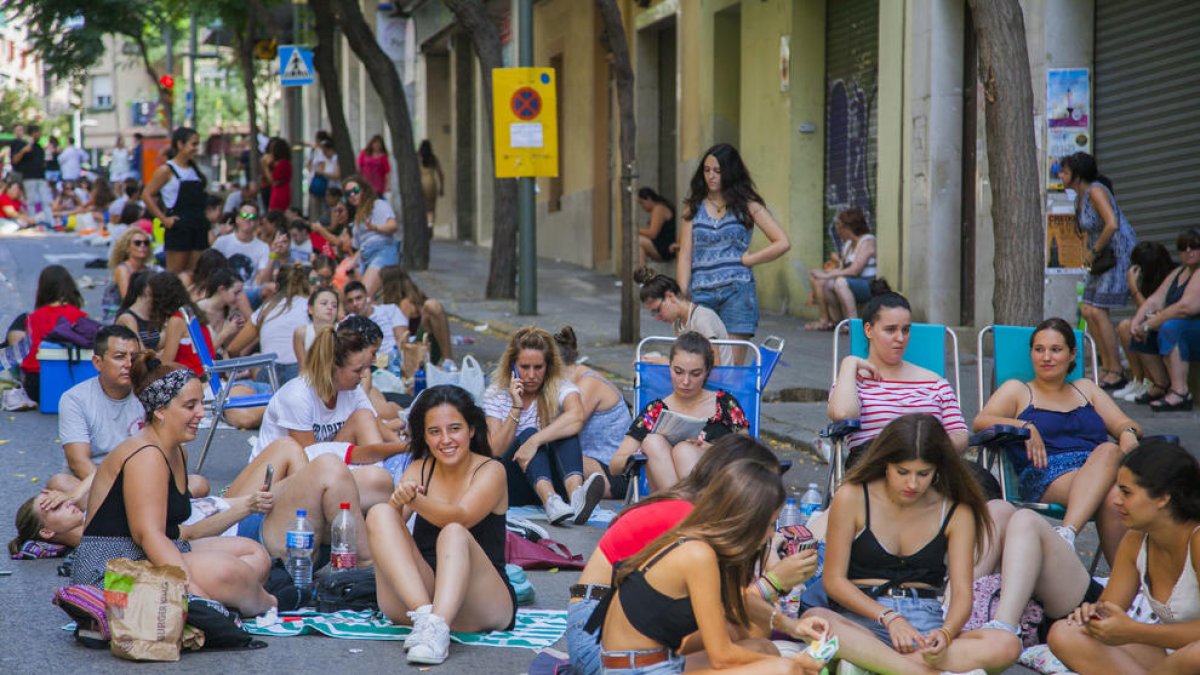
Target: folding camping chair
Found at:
213, 372
926, 348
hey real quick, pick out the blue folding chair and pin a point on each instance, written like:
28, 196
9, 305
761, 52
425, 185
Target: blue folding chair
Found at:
213, 372
926, 348
771, 350
653, 380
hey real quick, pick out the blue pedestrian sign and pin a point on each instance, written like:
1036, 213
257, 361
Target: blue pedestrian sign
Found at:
295, 65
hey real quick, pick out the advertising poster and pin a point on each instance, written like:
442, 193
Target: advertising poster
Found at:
1068, 117
1064, 244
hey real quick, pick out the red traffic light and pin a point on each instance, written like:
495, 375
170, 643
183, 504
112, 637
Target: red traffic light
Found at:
167, 81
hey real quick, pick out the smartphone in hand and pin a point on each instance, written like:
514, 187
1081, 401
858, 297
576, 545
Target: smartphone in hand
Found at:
270, 478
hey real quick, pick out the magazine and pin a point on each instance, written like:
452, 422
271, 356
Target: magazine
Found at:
677, 427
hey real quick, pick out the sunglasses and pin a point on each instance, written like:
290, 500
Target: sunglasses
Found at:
140, 242
354, 190
248, 216
1194, 246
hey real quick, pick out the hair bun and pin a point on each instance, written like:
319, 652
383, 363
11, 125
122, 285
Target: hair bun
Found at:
644, 275
566, 336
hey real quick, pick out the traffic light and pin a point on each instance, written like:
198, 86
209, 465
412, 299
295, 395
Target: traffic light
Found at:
167, 82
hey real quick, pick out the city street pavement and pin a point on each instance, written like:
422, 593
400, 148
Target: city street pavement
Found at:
30, 635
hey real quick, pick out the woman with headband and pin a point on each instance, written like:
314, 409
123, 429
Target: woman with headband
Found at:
140, 498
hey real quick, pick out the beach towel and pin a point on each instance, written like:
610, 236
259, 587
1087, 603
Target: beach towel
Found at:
600, 517
535, 629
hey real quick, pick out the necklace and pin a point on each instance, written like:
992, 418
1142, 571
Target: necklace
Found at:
719, 208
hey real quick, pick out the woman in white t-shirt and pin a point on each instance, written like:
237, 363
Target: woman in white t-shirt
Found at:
662, 297
534, 416
323, 308
374, 231
327, 405
273, 324
323, 171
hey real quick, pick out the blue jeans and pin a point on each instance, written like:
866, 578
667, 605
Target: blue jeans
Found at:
584, 647
555, 461
736, 304
923, 614
674, 664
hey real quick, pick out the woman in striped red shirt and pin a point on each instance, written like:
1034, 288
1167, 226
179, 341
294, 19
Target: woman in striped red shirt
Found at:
884, 386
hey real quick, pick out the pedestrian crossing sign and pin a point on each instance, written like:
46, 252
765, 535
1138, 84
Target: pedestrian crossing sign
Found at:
295, 65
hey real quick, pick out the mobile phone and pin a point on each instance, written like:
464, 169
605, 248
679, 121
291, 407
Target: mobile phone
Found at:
270, 478
516, 375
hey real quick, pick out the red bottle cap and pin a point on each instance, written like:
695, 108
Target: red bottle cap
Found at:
345, 506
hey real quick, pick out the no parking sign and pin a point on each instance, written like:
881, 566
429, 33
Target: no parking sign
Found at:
525, 122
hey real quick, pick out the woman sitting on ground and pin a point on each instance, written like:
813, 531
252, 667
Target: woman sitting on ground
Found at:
139, 499
534, 416
220, 307
903, 530
627, 536
373, 231
691, 361
883, 386
1159, 499
425, 315
273, 324
12, 205
1151, 265
138, 304
839, 291
1068, 459
169, 299
662, 297
131, 253
324, 304
1167, 326
605, 414
57, 298
449, 572
691, 577
657, 239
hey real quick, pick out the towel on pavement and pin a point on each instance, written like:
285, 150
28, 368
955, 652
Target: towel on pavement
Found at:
535, 629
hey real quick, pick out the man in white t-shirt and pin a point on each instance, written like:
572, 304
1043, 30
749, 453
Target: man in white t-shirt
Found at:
390, 319
70, 162
249, 256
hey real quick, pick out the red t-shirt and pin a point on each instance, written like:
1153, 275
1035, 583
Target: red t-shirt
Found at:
281, 186
38, 325
186, 355
6, 201
630, 533
375, 169
321, 245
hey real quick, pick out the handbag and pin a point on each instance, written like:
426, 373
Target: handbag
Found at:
318, 185
348, 589
539, 555
81, 333
1104, 261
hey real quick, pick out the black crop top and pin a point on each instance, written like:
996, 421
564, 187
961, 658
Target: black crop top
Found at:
870, 560
661, 618
111, 520
490, 532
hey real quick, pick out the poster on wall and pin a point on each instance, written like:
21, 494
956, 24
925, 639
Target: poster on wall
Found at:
1068, 118
1064, 244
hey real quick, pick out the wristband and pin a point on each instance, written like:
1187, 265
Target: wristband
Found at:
774, 581
764, 589
883, 617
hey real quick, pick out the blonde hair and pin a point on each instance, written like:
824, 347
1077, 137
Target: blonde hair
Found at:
120, 247
532, 337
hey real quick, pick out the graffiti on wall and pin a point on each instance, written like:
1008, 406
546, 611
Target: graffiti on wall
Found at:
848, 167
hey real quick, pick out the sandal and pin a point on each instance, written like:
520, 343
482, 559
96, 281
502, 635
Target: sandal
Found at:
1150, 396
1184, 404
818, 326
1114, 385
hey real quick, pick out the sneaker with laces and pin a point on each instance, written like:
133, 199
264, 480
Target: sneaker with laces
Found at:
432, 644
1124, 391
1139, 388
16, 400
417, 617
585, 498
1067, 533
557, 511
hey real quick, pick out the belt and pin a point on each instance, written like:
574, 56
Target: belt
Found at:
589, 591
634, 659
898, 592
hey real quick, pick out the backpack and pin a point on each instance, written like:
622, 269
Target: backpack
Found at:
349, 589
221, 629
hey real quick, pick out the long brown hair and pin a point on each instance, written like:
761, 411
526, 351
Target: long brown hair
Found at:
331, 348
920, 436
397, 285
366, 202
732, 515
532, 337
29, 526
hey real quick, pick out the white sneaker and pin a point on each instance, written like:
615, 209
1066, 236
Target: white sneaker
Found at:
557, 511
1140, 387
1067, 533
16, 400
417, 617
432, 643
585, 498
1125, 391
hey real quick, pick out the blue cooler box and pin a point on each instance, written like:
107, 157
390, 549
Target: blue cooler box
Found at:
62, 368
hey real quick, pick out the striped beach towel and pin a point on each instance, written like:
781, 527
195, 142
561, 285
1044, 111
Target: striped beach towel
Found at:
535, 629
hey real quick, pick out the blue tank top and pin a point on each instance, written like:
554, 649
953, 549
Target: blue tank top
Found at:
1077, 430
717, 249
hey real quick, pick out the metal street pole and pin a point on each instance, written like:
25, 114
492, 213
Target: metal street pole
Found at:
190, 111
526, 225
170, 67
296, 120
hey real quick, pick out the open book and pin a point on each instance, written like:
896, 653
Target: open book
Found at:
676, 427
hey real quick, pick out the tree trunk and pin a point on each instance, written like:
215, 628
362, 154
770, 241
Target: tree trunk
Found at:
614, 30
331, 87
481, 27
386, 82
245, 50
1012, 162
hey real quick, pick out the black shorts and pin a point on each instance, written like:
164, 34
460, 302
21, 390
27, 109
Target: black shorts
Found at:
186, 236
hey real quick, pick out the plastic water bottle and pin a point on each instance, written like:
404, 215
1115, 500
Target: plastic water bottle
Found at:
810, 502
300, 552
344, 541
419, 381
790, 515
396, 362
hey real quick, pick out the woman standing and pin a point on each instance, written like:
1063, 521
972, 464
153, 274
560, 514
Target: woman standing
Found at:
323, 172
433, 183
663, 298
720, 213
1159, 500
178, 187
1166, 328
449, 572
373, 165
374, 231
131, 253
657, 239
1097, 214
839, 291
281, 176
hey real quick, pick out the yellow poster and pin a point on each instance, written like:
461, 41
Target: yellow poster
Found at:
525, 122
1064, 244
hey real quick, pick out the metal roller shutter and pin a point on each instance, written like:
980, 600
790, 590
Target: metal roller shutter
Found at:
1147, 110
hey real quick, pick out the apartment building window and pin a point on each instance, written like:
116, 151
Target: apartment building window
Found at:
102, 92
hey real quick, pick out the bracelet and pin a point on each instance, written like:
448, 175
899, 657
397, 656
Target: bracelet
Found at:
515, 417
774, 581
882, 619
771, 623
1132, 430
764, 589
888, 621
946, 631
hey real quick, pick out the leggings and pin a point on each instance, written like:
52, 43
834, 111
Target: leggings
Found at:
555, 461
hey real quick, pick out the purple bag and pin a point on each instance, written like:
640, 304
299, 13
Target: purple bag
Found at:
80, 334
539, 555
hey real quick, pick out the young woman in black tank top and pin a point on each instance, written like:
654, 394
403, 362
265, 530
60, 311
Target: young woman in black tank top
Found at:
142, 520
908, 519
450, 571
689, 582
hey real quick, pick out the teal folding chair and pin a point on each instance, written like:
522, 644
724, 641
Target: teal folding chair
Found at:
926, 348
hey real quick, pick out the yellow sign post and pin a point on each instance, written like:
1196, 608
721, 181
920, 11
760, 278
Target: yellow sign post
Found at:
525, 122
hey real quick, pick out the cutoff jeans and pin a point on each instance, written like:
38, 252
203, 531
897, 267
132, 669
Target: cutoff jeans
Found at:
555, 461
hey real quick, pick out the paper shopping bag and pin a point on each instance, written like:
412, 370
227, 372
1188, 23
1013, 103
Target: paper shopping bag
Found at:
147, 608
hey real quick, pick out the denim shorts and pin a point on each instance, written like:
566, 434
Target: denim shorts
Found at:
923, 614
378, 255
736, 304
674, 664
584, 647
250, 527
860, 287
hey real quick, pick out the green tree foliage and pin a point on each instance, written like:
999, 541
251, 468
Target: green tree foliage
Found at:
18, 106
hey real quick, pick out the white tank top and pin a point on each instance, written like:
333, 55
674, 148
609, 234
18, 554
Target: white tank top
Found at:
1184, 602
170, 191
848, 253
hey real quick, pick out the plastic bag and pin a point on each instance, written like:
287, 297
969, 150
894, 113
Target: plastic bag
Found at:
469, 377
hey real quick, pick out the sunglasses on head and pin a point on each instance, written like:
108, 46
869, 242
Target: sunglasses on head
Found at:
140, 242
248, 216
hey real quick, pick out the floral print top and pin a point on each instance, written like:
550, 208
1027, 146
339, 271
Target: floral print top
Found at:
728, 418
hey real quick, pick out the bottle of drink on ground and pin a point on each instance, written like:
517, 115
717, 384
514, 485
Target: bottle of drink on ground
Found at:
300, 553
810, 502
396, 362
344, 541
790, 515
419, 381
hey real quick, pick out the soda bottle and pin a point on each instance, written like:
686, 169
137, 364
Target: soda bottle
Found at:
810, 502
344, 541
300, 553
